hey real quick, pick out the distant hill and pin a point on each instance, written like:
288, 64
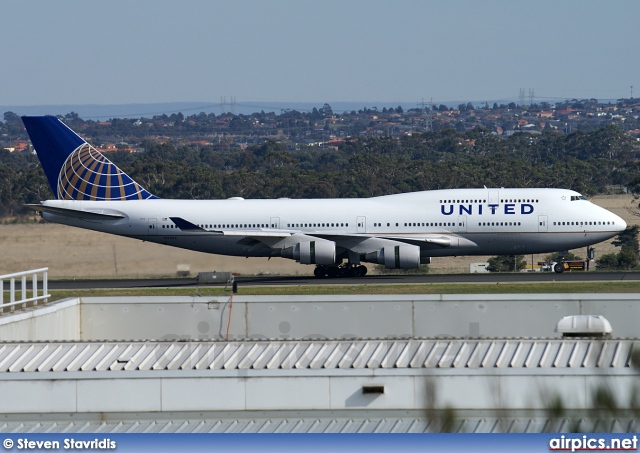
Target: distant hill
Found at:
101, 112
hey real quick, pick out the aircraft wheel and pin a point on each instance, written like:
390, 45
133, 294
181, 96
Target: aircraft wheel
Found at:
332, 272
320, 272
558, 268
361, 271
343, 272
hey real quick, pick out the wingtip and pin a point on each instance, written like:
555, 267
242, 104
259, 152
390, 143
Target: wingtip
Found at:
185, 225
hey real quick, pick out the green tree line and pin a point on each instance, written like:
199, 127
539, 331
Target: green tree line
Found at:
588, 162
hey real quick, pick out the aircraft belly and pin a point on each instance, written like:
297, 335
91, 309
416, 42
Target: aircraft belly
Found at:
522, 243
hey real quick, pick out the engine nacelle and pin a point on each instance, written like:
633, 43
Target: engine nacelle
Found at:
318, 251
396, 257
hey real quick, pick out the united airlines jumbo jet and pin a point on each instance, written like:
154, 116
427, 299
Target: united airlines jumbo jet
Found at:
399, 231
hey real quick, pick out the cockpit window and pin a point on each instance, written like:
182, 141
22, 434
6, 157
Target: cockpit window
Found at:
577, 197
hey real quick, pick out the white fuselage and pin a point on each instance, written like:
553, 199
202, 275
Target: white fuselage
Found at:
474, 221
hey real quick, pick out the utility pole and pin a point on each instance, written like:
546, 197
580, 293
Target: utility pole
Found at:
427, 115
282, 112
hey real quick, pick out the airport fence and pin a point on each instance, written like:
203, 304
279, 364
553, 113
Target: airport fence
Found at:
23, 300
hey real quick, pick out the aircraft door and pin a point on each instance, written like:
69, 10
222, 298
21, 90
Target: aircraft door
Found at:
361, 224
462, 224
275, 223
153, 227
494, 196
542, 224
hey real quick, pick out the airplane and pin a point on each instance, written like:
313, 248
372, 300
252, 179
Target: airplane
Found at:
400, 231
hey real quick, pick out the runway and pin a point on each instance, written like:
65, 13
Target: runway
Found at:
368, 280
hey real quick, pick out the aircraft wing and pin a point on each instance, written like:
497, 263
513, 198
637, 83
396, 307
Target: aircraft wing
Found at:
185, 225
435, 240
95, 214
347, 241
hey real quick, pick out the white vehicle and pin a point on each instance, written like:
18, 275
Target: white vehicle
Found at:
399, 231
547, 267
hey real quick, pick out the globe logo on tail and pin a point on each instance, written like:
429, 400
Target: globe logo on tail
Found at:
88, 175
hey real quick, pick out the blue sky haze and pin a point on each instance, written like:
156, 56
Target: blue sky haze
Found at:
158, 51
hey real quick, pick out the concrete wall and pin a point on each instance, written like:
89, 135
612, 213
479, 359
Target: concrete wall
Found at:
351, 316
280, 317
470, 390
58, 321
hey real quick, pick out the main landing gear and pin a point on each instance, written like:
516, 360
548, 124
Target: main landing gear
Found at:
342, 270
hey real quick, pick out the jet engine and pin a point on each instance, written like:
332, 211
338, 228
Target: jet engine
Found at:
396, 257
318, 251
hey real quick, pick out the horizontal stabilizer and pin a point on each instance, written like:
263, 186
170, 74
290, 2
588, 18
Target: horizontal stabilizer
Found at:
76, 213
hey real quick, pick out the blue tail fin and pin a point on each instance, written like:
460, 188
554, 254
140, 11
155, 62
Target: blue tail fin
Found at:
74, 168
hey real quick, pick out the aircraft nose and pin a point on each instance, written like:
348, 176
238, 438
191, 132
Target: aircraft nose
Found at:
619, 223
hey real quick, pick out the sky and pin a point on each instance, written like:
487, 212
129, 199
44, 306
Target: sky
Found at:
158, 51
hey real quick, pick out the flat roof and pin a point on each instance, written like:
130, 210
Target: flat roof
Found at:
292, 368
436, 353
372, 422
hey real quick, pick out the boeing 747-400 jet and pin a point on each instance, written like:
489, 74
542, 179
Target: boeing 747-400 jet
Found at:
399, 231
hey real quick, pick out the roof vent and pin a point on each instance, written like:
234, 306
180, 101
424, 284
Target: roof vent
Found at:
584, 326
